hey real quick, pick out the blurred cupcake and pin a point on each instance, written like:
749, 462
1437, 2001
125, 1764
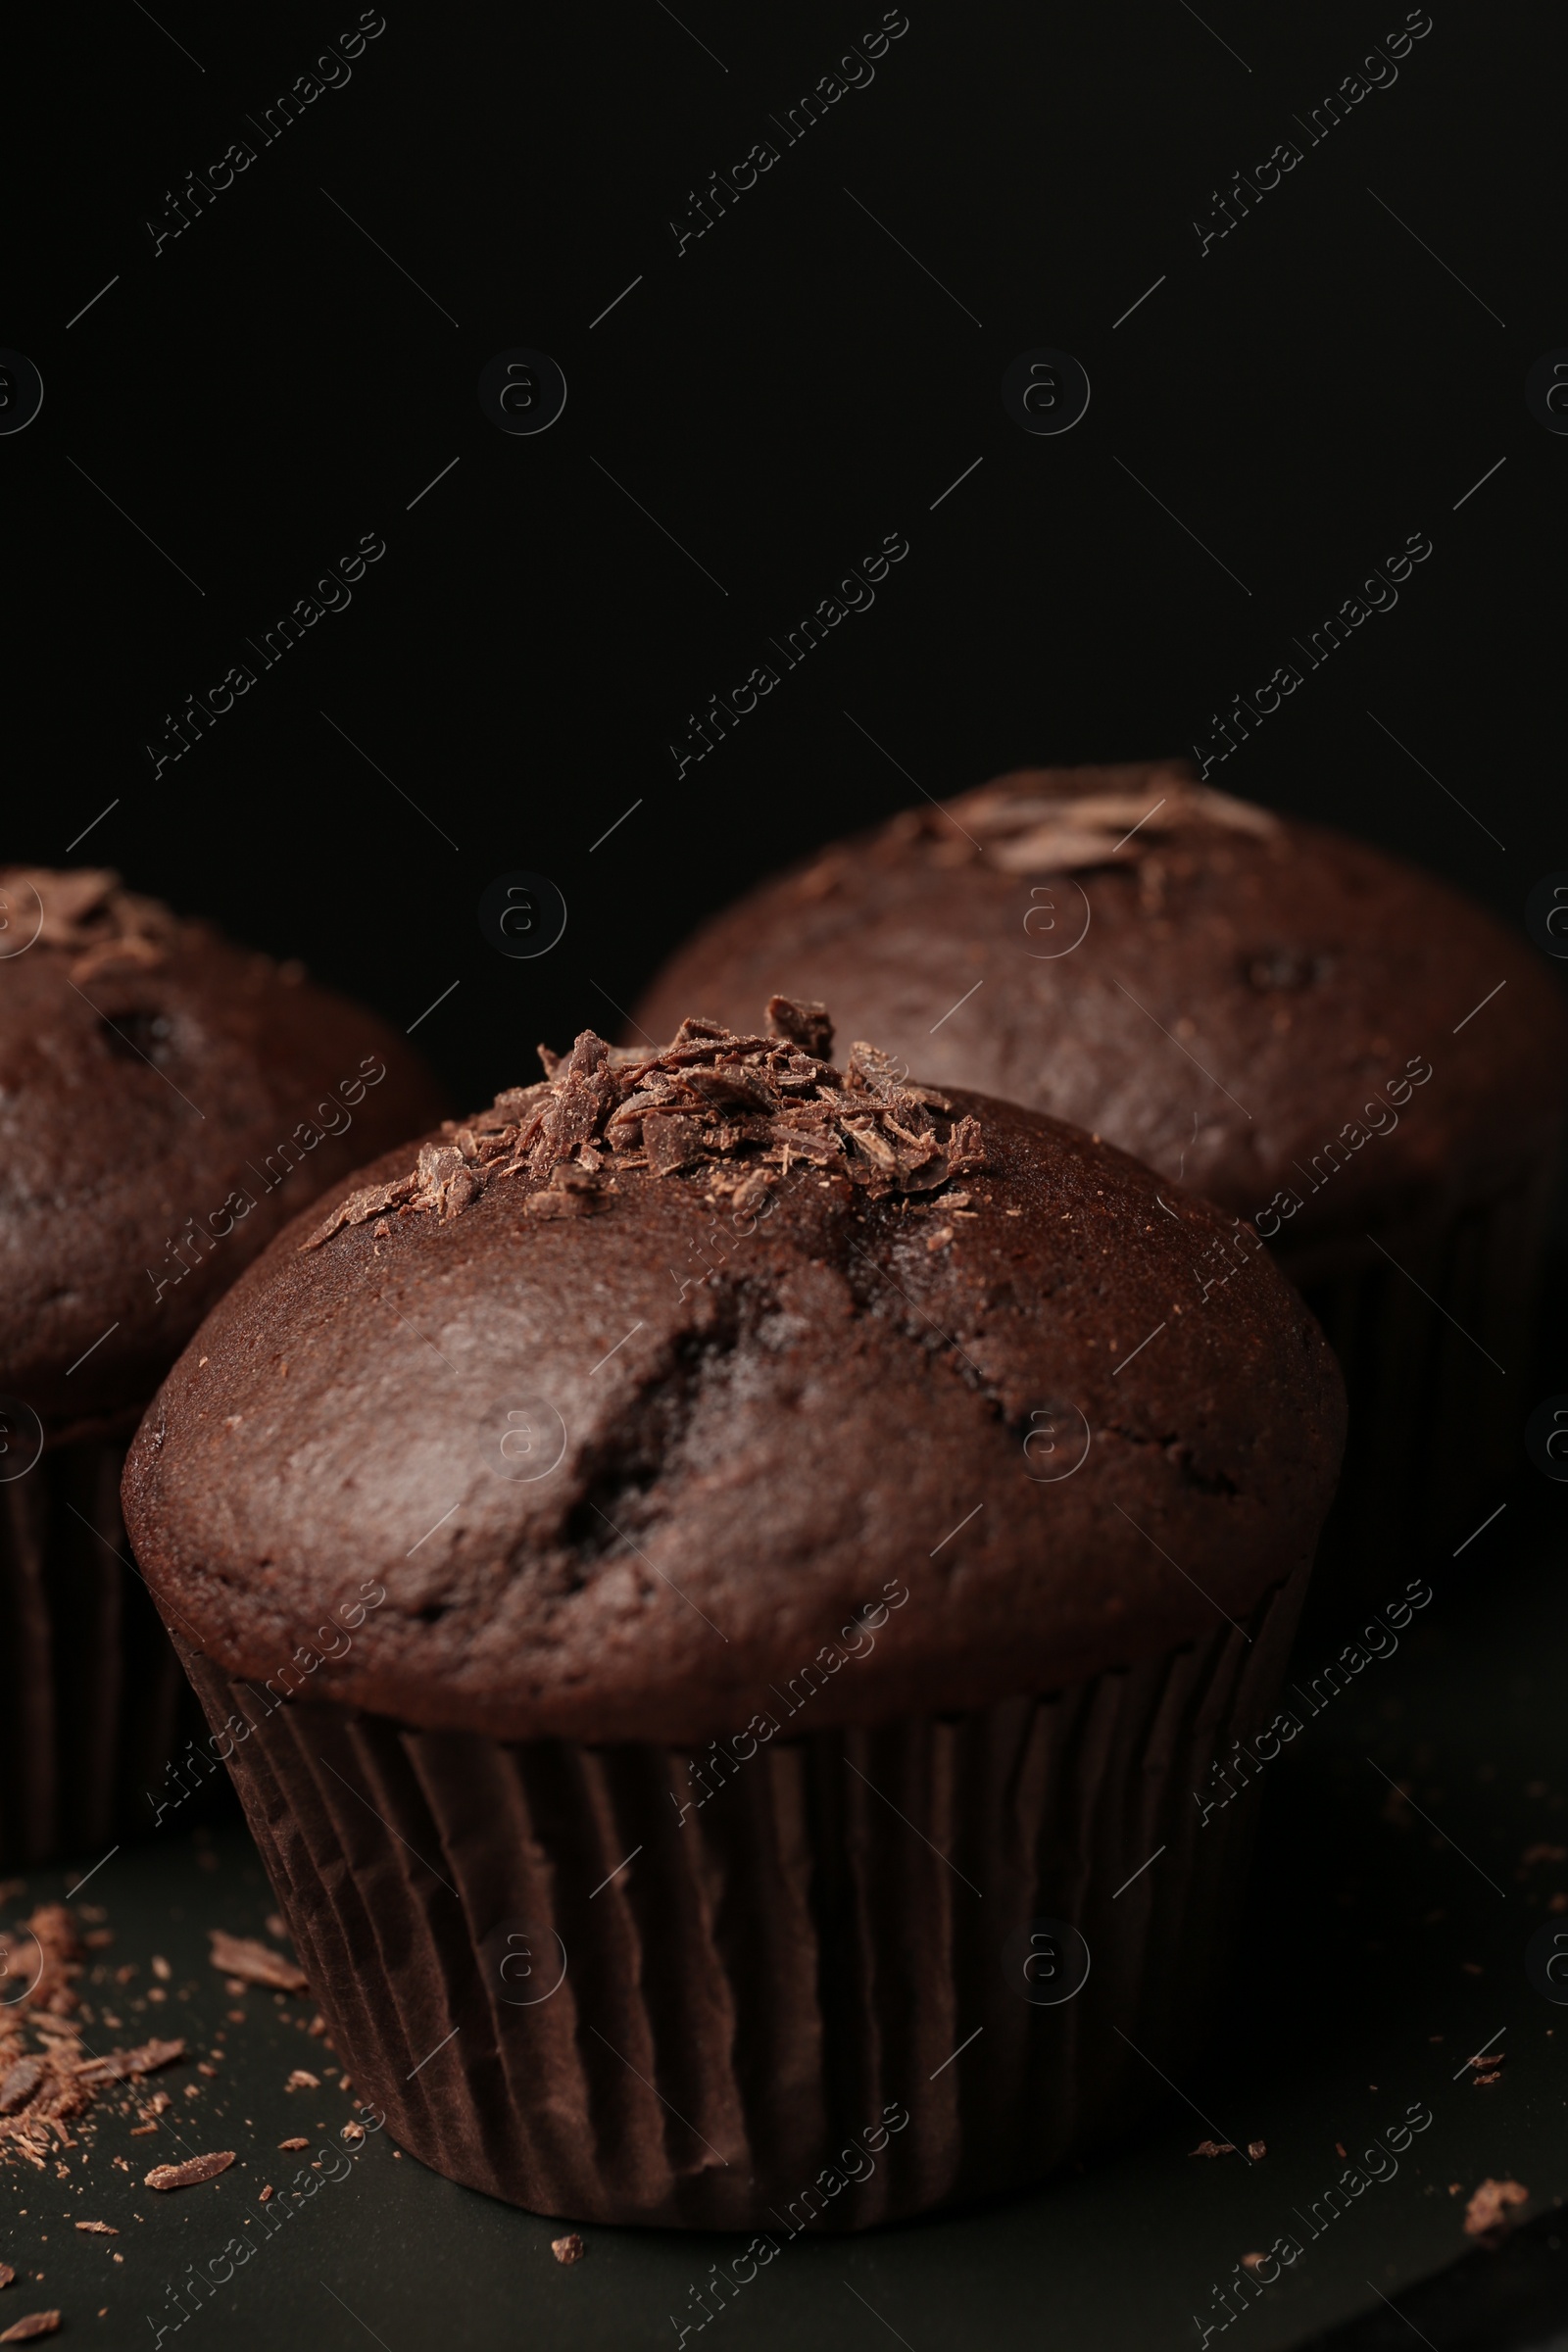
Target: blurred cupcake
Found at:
1345, 1054
728, 1632
167, 1103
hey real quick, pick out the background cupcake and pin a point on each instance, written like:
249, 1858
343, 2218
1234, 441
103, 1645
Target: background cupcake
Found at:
1334, 1045
725, 1590
167, 1102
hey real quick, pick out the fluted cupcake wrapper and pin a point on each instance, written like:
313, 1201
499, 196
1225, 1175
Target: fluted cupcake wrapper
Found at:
93, 1708
572, 1984
1432, 1332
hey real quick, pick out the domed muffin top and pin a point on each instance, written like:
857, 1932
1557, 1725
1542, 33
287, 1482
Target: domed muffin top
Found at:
167, 1102
686, 1374
1240, 999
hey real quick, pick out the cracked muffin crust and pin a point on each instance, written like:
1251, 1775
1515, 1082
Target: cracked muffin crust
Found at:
626, 1389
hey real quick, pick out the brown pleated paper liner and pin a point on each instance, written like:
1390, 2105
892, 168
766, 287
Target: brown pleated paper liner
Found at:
1436, 1353
93, 1706
568, 1996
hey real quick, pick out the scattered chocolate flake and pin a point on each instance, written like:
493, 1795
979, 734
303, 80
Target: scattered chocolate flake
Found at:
1486, 2214
266, 2193
1213, 2147
59, 1953
1254, 2262
1256, 2150
734, 1111
100, 2229
293, 2143
567, 2250
191, 2173
36, 2323
20, 2084
38, 2085
299, 2079
1339, 2151
254, 1963
354, 2132
117, 2066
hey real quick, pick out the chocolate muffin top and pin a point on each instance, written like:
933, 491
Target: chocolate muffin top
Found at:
1242, 1000
685, 1374
167, 1102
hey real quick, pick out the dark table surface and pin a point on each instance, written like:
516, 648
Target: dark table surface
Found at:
1385, 1945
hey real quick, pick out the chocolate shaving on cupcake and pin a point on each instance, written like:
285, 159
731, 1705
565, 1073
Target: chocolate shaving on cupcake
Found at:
1038, 833
88, 910
739, 1110
1047, 822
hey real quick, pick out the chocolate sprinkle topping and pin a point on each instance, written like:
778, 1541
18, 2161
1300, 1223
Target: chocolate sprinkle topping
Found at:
736, 1111
1031, 832
85, 910
805, 1024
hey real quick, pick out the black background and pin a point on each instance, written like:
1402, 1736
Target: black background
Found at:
780, 396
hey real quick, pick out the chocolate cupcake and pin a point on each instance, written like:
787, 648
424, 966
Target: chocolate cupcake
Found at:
1340, 1050
725, 1588
167, 1102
